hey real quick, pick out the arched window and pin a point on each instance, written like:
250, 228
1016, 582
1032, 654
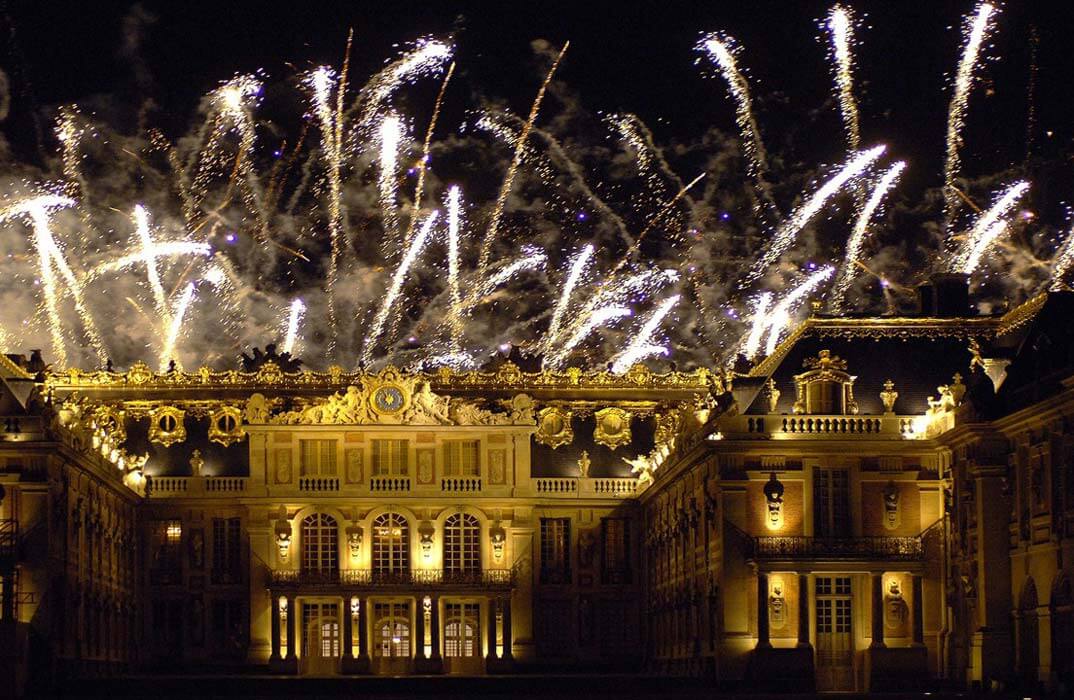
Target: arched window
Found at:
462, 544
320, 545
1028, 632
391, 545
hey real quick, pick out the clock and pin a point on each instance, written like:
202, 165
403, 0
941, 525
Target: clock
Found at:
388, 399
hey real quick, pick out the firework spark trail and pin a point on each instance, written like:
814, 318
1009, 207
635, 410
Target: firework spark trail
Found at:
636, 245
974, 245
158, 250
427, 58
376, 328
455, 323
976, 31
391, 134
294, 320
533, 258
233, 100
781, 312
642, 346
722, 49
167, 353
50, 255
516, 160
70, 134
593, 321
984, 241
148, 256
321, 82
861, 229
426, 148
577, 269
841, 29
785, 234
759, 323
1062, 261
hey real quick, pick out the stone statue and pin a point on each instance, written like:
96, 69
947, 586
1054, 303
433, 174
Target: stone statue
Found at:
521, 406
196, 463
891, 506
257, 409
773, 395
777, 606
583, 465
641, 467
427, 408
888, 397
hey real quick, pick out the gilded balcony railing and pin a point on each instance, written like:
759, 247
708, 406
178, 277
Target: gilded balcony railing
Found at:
418, 578
793, 547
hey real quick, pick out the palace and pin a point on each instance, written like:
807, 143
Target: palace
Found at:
880, 502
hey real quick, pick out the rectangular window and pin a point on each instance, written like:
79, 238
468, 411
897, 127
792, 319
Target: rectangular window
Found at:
615, 555
227, 553
317, 457
461, 458
228, 635
166, 543
831, 503
390, 457
555, 550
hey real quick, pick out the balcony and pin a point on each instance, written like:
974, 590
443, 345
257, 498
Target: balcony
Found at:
318, 484
9, 539
379, 580
836, 548
798, 427
574, 487
460, 484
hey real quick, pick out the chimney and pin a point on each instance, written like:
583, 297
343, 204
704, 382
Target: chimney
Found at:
945, 295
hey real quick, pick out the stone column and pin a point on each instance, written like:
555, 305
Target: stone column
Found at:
275, 613
435, 631
507, 654
292, 643
991, 654
878, 611
363, 630
491, 655
762, 611
803, 610
419, 619
919, 607
348, 644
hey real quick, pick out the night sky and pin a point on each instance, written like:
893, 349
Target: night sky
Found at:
635, 57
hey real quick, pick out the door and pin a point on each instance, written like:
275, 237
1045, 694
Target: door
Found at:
835, 650
391, 638
320, 638
462, 641
831, 503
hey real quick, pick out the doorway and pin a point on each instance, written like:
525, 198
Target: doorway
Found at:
462, 639
320, 638
835, 642
391, 638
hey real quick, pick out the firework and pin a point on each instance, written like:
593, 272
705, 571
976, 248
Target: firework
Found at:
782, 311
840, 26
861, 228
785, 235
985, 230
532, 258
294, 320
976, 30
423, 164
391, 134
722, 49
322, 81
1063, 260
454, 209
577, 269
760, 322
642, 346
593, 321
175, 325
51, 260
376, 328
427, 58
512, 170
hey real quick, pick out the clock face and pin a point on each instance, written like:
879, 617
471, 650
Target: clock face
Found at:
388, 399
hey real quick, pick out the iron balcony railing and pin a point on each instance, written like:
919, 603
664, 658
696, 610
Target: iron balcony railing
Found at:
420, 578
9, 539
886, 548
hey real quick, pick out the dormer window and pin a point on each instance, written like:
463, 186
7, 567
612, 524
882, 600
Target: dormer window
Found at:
825, 388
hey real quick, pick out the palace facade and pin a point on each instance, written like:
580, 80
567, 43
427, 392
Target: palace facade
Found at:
880, 502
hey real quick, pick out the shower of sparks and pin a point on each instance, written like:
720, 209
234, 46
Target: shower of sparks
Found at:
454, 211
423, 164
643, 346
175, 325
376, 328
391, 135
577, 269
841, 29
233, 101
594, 320
512, 170
145, 241
722, 49
976, 31
51, 260
322, 82
985, 229
861, 229
69, 132
797, 220
759, 322
781, 313
532, 258
427, 58
1063, 260
294, 321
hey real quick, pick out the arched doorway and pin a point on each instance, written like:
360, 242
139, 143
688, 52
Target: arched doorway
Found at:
320, 638
462, 638
391, 637
1063, 631
1028, 634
